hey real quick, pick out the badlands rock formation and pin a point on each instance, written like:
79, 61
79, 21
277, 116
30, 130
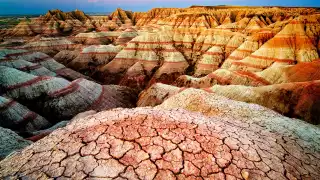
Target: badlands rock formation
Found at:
36, 92
192, 65
58, 99
36, 63
55, 22
226, 46
300, 100
145, 143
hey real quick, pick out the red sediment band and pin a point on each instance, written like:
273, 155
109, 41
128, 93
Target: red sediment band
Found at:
235, 58
232, 47
28, 83
37, 66
128, 59
207, 90
39, 136
177, 42
30, 116
272, 59
7, 104
66, 90
253, 76
96, 103
113, 53
135, 59
200, 65
203, 44
248, 65
220, 80
245, 50
150, 49
148, 61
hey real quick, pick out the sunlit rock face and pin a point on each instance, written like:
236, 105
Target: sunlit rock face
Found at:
230, 46
150, 143
50, 46
96, 38
91, 58
299, 100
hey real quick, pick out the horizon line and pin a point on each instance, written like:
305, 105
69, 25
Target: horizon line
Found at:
87, 12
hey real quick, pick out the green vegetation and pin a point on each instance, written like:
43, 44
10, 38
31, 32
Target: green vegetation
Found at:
8, 22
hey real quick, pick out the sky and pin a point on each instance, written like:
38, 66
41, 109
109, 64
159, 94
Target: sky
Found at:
101, 6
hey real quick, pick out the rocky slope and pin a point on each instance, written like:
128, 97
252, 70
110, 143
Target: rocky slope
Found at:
300, 100
36, 92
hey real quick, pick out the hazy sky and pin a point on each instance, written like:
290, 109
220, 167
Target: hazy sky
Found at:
41, 6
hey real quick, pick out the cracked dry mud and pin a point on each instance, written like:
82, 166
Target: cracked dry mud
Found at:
146, 143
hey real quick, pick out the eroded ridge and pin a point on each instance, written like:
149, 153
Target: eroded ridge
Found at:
145, 143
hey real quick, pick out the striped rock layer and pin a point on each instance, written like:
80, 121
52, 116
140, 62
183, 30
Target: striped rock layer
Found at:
58, 99
227, 56
293, 45
36, 63
19, 118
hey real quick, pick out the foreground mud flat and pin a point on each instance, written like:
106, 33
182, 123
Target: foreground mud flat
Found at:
172, 93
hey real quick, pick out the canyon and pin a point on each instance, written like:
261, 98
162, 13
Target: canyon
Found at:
204, 92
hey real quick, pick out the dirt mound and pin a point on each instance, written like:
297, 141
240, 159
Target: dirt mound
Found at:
299, 100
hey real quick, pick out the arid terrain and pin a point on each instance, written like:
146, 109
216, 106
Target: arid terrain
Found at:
204, 92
